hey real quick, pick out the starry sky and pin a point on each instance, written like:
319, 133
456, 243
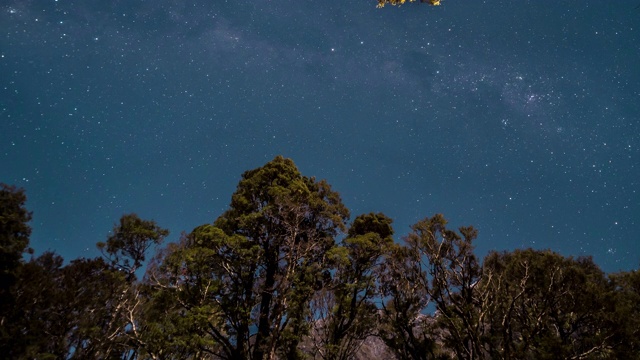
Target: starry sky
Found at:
521, 118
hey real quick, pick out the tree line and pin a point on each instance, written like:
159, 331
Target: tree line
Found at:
282, 274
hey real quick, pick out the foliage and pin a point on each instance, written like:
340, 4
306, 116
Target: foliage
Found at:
268, 280
66, 311
344, 309
83, 309
545, 306
131, 238
292, 219
436, 268
14, 241
404, 327
452, 270
14, 234
626, 320
247, 279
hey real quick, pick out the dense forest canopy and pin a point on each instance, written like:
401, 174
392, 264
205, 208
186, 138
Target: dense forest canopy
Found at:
282, 273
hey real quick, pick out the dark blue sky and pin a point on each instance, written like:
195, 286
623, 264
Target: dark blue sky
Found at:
521, 118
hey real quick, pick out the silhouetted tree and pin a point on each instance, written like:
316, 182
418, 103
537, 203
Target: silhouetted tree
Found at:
404, 326
14, 235
266, 280
626, 319
64, 312
453, 271
14, 241
247, 280
546, 306
344, 309
127, 246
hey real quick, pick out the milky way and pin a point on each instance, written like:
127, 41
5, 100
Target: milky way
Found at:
518, 118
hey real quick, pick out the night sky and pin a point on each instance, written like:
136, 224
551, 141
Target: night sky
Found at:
521, 118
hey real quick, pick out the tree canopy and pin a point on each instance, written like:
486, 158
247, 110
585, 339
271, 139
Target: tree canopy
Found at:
14, 232
283, 274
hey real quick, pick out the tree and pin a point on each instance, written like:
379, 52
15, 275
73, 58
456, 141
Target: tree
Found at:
207, 278
125, 250
35, 325
127, 246
14, 235
293, 219
180, 302
99, 299
404, 327
545, 306
452, 272
247, 280
65, 312
267, 280
345, 311
14, 241
382, 3
436, 270
626, 332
